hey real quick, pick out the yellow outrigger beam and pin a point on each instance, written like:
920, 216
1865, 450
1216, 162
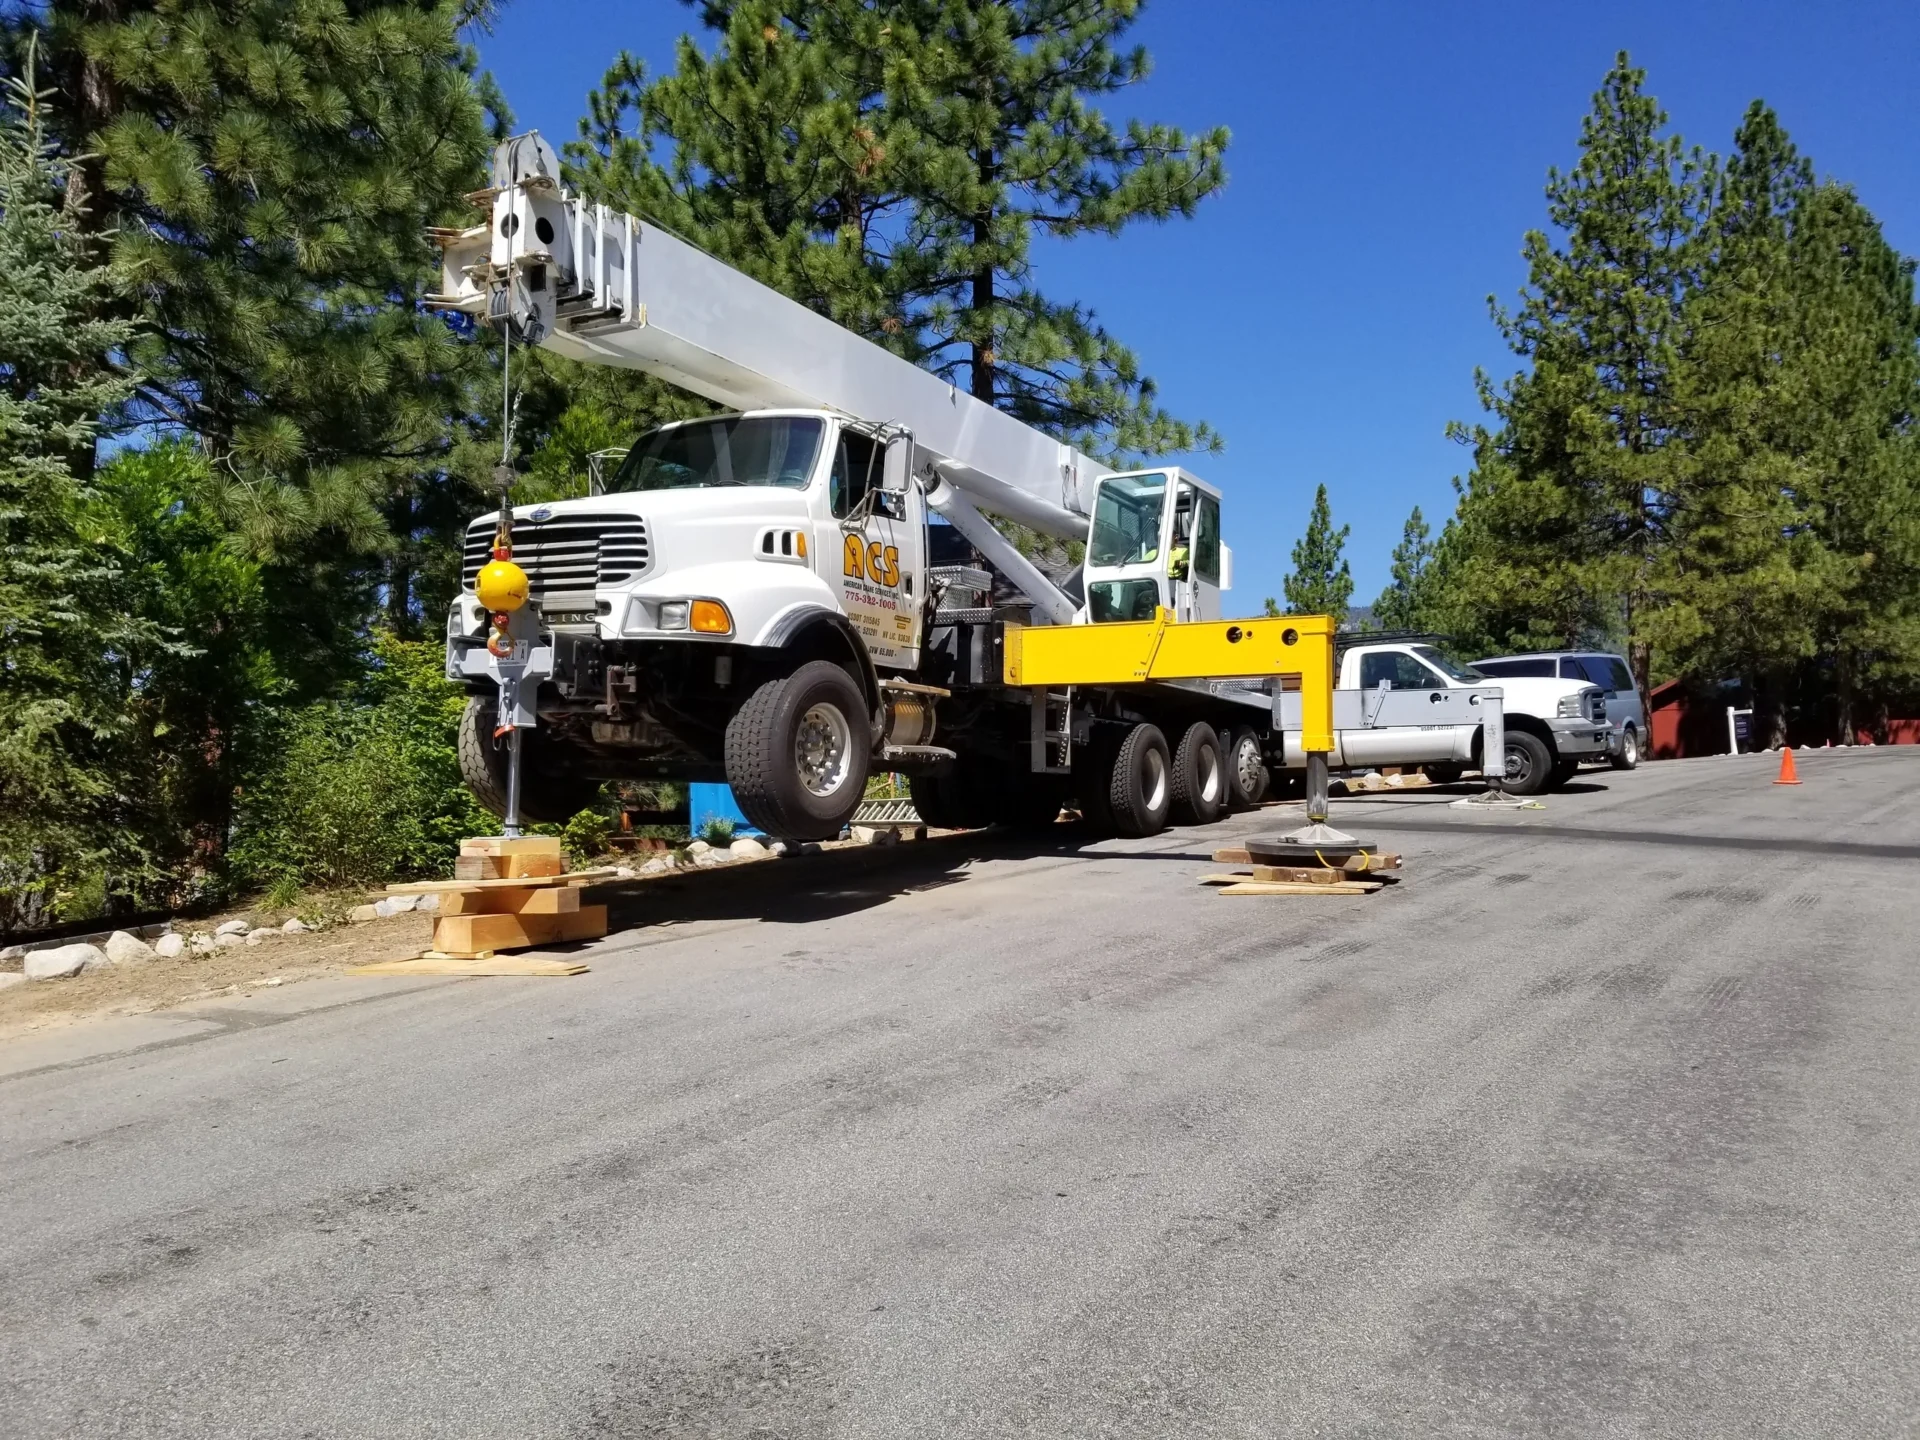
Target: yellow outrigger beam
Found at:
1135, 652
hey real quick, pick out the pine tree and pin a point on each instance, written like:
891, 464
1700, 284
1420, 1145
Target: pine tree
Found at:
1403, 604
1576, 487
889, 164
59, 626
262, 175
1320, 582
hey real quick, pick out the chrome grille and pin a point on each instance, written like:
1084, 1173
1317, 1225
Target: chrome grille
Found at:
567, 555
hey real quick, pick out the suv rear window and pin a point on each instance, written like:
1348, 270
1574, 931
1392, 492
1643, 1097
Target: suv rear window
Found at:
1517, 669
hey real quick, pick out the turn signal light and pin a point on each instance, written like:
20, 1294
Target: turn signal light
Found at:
710, 617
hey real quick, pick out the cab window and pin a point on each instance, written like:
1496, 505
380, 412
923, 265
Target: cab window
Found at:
1126, 520
856, 470
1399, 670
1206, 541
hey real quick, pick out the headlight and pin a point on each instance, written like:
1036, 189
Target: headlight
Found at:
1572, 707
673, 615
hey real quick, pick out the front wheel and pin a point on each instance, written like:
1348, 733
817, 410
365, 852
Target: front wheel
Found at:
797, 753
548, 794
1629, 755
1529, 764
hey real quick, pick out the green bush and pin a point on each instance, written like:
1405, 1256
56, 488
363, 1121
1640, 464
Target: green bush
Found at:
362, 790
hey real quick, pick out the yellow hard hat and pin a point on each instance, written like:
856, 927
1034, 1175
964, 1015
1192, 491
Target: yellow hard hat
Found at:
502, 585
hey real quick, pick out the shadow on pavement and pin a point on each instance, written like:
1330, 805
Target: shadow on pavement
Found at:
840, 882
1786, 845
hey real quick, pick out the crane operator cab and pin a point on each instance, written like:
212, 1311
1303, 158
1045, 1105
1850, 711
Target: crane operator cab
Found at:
1155, 544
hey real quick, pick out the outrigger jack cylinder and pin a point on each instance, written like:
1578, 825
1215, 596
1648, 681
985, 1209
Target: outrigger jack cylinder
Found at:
1317, 833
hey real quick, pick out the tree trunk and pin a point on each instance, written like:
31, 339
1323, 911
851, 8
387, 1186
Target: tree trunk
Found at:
1843, 677
982, 300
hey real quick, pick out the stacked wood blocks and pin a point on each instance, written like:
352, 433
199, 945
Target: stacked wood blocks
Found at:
508, 894
1361, 875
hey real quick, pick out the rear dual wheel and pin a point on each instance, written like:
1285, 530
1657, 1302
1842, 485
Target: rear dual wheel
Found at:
1200, 786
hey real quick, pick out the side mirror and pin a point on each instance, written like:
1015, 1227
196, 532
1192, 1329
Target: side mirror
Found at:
897, 469
1226, 568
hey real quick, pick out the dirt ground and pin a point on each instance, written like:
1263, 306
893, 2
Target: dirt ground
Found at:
159, 984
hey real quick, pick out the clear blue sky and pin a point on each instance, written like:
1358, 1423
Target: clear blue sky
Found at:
1327, 311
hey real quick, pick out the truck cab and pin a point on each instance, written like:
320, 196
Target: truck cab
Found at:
1154, 544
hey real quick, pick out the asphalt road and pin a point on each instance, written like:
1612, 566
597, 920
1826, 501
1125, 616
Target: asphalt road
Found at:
1606, 1122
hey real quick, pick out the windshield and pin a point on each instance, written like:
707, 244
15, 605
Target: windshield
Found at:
738, 450
1126, 520
1466, 674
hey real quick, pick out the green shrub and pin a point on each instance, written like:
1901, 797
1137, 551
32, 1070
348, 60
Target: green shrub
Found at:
363, 790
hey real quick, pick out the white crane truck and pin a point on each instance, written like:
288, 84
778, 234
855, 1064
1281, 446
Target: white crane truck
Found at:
770, 597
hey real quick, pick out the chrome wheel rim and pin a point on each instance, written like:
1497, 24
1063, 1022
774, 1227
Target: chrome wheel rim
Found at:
1153, 775
1210, 776
1246, 762
1518, 770
823, 750
1630, 746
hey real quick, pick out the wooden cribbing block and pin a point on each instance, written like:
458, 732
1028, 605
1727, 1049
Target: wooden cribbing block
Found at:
499, 857
470, 934
549, 900
1341, 887
1232, 855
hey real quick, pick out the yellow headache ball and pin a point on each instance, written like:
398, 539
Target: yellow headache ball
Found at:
502, 585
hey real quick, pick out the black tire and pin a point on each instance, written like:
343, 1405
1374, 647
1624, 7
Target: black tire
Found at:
1529, 764
1444, 774
548, 794
1247, 775
1199, 777
1563, 771
1629, 756
797, 753
1140, 794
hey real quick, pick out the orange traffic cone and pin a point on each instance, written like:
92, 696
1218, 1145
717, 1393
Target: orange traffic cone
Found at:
1787, 775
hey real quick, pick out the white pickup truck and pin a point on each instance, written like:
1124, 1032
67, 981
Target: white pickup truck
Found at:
1404, 703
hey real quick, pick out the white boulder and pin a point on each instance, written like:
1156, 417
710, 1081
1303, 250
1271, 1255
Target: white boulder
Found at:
201, 943
656, 867
59, 961
426, 903
13, 952
231, 927
875, 835
360, 914
170, 946
232, 939
259, 935
697, 848
747, 848
295, 926
11, 978
125, 949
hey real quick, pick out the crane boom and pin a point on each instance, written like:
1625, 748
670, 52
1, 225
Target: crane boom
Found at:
601, 286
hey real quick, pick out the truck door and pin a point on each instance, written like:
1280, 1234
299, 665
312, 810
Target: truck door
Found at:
1200, 594
1404, 743
876, 538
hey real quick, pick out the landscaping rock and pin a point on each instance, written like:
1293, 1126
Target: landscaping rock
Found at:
426, 903
13, 952
747, 848
400, 905
60, 961
295, 926
875, 835
656, 867
125, 949
201, 943
697, 848
706, 860
11, 978
170, 946
232, 927
261, 934
360, 914
232, 940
